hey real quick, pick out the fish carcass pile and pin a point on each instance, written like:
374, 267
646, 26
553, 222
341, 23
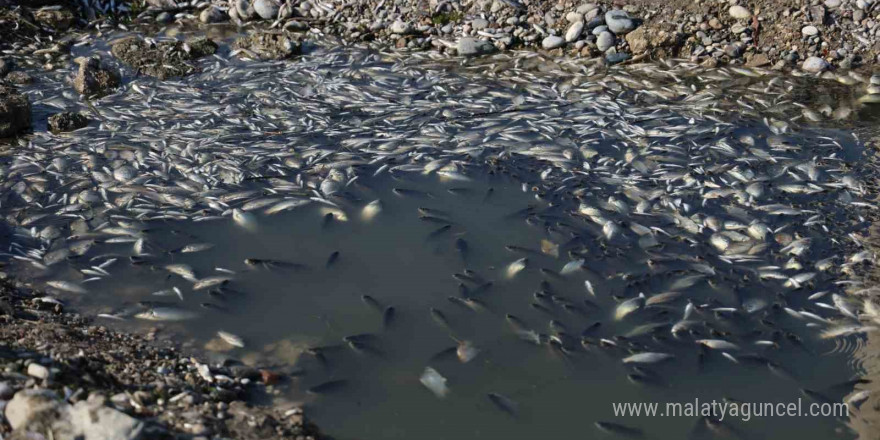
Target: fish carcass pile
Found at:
682, 181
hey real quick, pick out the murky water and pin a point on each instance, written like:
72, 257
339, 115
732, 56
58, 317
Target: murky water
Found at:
521, 211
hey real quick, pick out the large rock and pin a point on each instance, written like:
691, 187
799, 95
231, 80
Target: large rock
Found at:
165, 59
40, 412
662, 43
67, 121
619, 22
93, 79
470, 47
15, 112
270, 45
58, 19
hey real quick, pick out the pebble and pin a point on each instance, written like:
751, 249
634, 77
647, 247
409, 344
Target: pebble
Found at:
266, 9
875, 80
740, 13
605, 41
810, 31
815, 65
38, 371
619, 22
832, 4
599, 29
574, 31
574, 17
552, 42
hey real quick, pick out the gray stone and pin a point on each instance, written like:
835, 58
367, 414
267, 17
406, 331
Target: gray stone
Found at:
266, 9
401, 27
552, 42
810, 31
479, 24
733, 50
574, 31
875, 80
212, 14
832, 4
38, 371
595, 22
619, 22
599, 29
15, 112
815, 65
740, 13
605, 41
470, 47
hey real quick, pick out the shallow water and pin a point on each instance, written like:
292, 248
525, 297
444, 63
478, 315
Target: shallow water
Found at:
524, 157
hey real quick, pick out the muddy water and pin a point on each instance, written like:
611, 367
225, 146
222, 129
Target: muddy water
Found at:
603, 135
400, 260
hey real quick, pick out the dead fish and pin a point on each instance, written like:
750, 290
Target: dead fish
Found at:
503, 403
183, 270
196, 247
433, 381
466, 351
371, 210
629, 306
170, 314
332, 258
647, 358
388, 316
245, 220
718, 344
515, 267
572, 267
66, 286
328, 387
618, 429
209, 282
231, 339
370, 301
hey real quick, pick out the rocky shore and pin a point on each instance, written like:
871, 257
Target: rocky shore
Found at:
66, 377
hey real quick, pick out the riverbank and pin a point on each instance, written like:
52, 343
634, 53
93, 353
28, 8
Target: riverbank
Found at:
814, 36
57, 364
